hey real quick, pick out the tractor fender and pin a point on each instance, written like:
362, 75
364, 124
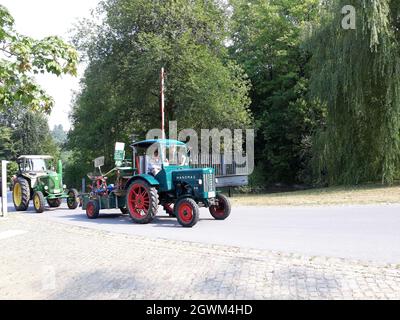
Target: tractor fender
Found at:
143, 177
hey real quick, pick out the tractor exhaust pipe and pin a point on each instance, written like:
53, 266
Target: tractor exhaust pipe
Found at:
59, 167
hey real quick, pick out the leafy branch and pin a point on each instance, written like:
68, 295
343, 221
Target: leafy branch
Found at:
22, 57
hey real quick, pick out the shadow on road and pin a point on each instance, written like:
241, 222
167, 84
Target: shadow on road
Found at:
78, 215
160, 221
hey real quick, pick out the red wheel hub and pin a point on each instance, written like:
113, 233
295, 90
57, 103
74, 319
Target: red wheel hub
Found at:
90, 209
185, 212
138, 201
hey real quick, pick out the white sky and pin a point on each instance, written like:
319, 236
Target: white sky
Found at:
41, 18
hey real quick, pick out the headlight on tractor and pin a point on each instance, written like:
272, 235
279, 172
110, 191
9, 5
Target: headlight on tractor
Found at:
64, 186
46, 188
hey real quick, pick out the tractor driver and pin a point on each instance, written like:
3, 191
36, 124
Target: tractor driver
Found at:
154, 164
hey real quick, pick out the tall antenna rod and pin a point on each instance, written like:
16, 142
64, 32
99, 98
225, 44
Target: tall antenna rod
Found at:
162, 104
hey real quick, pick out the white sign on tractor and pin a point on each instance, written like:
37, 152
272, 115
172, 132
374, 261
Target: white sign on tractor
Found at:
99, 162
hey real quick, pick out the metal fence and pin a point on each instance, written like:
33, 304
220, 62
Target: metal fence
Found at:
222, 169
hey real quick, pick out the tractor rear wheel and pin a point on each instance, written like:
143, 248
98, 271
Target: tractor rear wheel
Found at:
222, 210
187, 212
21, 194
38, 201
92, 209
142, 200
54, 203
73, 199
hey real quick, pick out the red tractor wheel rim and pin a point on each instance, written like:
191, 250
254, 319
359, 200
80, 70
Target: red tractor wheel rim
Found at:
219, 210
90, 209
185, 212
138, 201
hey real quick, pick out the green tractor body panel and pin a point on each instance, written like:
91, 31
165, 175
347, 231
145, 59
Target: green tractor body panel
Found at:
51, 185
165, 177
110, 202
146, 177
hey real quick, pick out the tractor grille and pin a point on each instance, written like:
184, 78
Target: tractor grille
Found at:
209, 182
52, 184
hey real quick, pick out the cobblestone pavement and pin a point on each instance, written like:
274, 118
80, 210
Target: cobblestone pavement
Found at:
48, 260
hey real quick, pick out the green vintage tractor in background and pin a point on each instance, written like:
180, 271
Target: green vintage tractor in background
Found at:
160, 175
37, 180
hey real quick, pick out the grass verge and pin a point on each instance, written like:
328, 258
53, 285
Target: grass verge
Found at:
367, 194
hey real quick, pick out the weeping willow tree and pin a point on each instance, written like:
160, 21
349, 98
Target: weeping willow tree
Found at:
356, 74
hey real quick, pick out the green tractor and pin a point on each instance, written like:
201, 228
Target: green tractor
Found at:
165, 180
37, 180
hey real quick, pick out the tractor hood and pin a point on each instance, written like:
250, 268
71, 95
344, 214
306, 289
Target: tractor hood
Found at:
191, 174
200, 180
52, 181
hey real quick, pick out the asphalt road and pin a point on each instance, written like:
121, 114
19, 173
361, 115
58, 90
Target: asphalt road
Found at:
367, 232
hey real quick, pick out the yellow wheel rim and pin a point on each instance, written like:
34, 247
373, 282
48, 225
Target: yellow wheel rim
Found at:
36, 201
17, 194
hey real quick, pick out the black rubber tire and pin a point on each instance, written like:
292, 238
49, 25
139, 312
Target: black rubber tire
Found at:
41, 203
92, 209
73, 199
26, 194
153, 202
223, 210
183, 219
54, 203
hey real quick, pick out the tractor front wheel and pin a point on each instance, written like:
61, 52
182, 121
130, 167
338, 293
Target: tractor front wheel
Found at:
142, 200
92, 209
222, 210
54, 203
73, 199
187, 212
38, 201
21, 194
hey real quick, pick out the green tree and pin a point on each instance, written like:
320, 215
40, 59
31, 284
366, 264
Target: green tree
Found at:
7, 148
59, 135
21, 57
356, 73
23, 125
32, 136
267, 41
120, 89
